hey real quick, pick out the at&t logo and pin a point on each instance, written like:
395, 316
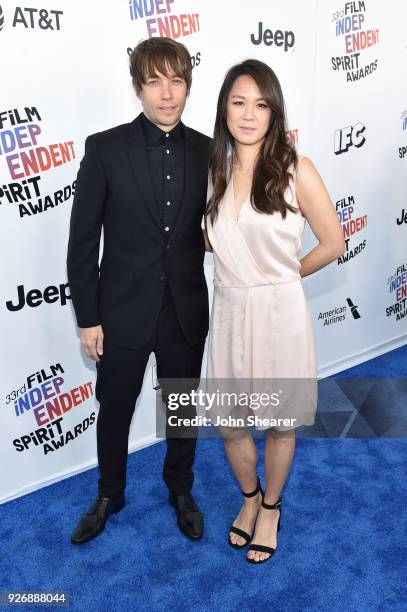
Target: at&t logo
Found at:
44, 19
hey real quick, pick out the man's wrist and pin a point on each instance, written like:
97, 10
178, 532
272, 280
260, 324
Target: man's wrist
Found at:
86, 325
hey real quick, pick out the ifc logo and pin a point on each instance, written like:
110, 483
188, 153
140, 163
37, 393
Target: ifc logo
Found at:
1, 18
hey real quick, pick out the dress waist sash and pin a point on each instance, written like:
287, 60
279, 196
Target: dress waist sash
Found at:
271, 283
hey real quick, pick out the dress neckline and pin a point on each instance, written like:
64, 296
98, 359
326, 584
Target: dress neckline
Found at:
237, 216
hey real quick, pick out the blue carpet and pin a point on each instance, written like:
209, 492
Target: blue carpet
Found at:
342, 544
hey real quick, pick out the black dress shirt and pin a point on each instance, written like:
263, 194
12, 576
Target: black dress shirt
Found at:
165, 152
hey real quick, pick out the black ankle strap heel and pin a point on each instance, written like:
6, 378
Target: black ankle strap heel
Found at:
256, 490
243, 534
276, 506
261, 547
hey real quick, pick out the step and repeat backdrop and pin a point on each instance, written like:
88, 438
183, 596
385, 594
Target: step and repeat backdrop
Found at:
64, 75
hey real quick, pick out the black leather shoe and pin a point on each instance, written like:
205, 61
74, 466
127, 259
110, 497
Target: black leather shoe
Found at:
189, 516
93, 522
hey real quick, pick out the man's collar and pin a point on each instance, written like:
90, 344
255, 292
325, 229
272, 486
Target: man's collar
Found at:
155, 135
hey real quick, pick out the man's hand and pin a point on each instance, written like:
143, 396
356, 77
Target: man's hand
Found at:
92, 341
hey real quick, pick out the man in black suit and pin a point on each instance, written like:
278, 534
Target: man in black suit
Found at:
145, 183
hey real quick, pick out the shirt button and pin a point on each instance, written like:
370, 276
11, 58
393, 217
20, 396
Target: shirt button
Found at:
168, 177
168, 203
167, 229
168, 246
162, 278
167, 151
167, 135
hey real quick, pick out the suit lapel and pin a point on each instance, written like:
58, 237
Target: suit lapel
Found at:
191, 165
137, 154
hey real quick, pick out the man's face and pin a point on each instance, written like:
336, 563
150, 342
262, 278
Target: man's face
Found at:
163, 99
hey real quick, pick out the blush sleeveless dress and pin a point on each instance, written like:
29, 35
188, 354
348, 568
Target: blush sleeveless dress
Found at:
260, 325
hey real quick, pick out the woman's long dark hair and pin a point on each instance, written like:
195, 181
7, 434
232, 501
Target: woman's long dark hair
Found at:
271, 173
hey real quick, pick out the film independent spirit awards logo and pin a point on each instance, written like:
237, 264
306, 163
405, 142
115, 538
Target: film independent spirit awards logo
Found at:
353, 221
356, 37
26, 157
41, 405
161, 20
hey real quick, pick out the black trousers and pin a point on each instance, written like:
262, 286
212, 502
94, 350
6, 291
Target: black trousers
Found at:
120, 374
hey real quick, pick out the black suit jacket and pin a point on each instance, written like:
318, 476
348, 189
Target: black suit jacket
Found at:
114, 191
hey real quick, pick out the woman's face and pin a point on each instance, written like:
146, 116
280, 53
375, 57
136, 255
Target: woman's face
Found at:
247, 114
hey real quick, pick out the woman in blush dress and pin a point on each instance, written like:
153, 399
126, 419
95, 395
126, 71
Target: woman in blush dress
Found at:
260, 196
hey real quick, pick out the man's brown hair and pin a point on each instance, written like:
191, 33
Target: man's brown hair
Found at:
162, 55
